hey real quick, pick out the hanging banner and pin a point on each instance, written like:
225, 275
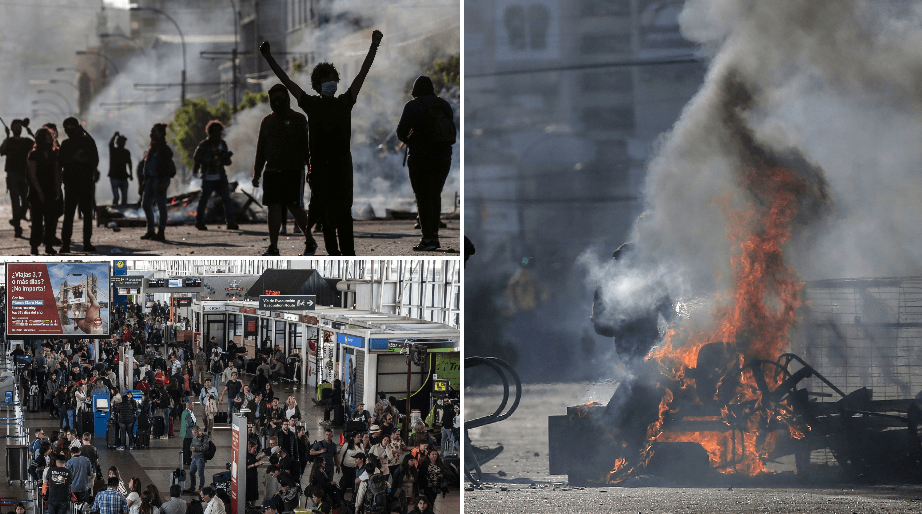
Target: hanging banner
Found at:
57, 300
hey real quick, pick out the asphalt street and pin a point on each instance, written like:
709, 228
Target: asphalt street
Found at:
518, 480
372, 238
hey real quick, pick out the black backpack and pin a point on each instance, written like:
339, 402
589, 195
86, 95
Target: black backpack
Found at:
440, 125
376, 494
210, 451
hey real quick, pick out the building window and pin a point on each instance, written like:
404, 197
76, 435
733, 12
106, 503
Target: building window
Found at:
526, 27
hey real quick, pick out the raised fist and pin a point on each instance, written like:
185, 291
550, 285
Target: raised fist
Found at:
264, 48
376, 37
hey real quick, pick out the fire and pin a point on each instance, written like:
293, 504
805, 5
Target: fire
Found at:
758, 313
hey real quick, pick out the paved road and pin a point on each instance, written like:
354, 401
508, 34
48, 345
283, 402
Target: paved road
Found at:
518, 480
372, 238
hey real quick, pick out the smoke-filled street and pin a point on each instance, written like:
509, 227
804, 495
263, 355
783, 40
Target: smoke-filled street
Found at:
712, 204
163, 109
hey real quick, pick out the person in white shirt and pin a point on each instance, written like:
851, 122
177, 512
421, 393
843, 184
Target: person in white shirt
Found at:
214, 505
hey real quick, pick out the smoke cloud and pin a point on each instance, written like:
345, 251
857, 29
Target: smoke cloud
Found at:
415, 35
828, 89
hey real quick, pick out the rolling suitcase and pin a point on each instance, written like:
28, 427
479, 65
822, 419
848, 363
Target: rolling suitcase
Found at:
158, 426
142, 439
112, 437
178, 477
86, 422
220, 417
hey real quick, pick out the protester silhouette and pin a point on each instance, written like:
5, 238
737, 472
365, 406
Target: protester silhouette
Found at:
16, 149
211, 156
329, 120
427, 128
282, 150
79, 159
158, 169
119, 168
45, 191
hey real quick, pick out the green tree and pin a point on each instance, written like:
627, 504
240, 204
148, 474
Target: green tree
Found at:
187, 129
253, 99
449, 70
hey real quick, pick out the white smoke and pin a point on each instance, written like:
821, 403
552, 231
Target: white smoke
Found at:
838, 83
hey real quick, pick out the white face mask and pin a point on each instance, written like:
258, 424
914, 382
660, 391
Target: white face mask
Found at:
328, 88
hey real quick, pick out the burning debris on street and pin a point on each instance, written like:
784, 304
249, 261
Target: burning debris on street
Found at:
766, 374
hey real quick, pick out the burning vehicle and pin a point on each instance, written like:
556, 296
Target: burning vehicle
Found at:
817, 378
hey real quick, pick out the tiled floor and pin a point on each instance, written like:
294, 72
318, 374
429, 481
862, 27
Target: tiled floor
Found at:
157, 463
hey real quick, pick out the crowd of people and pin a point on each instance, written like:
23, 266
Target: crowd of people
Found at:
187, 391
48, 179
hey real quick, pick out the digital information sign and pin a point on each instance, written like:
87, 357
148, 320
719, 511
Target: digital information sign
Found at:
57, 300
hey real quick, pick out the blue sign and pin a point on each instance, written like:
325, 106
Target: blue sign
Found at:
358, 342
378, 344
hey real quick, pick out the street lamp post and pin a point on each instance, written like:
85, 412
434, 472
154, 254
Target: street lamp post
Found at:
52, 91
182, 41
49, 102
234, 53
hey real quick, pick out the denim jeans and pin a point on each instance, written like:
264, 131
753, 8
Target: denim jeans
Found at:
70, 418
221, 187
197, 465
152, 194
58, 508
127, 433
166, 421
119, 186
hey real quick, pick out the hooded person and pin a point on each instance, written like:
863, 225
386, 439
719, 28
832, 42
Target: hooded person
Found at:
427, 127
329, 119
211, 156
157, 168
79, 159
282, 152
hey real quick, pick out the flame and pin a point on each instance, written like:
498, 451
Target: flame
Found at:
759, 313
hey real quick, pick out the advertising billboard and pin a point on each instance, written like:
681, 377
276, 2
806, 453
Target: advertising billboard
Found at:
57, 300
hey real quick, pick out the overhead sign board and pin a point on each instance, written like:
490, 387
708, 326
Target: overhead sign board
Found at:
133, 282
305, 302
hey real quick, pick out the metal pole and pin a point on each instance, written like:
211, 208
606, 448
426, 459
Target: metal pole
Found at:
405, 430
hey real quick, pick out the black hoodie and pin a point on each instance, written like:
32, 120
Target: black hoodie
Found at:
414, 118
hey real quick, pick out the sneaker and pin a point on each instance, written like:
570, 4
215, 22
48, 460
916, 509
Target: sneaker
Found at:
88, 247
427, 245
159, 236
200, 226
233, 226
18, 230
310, 247
272, 251
65, 248
149, 235
49, 250
34, 250
120, 448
